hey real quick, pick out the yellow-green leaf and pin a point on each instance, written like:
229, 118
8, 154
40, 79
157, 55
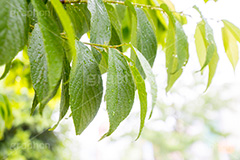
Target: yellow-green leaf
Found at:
233, 29
67, 25
230, 46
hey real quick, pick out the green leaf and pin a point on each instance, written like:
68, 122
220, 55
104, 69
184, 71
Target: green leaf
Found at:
34, 104
67, 25
120, 90
6, 70
150, 76
125, 16
230, 46
144, 39
103, 66
65, 97
159, 22
100, 32
115, 20
85, 88
46, 55
176, 49
233, 29
140, 84
116, 32
14, 28
80, 17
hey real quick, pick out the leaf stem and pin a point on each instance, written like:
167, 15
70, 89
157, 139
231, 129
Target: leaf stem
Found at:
116, 2
105, 46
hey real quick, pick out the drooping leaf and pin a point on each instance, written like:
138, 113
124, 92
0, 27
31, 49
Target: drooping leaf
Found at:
85, 88
100, 32
116, 32
207, 34
34, 103
6, 70
67, 25
230, 46
140, 84
200, 47
115, 20
80, 17
65, 97
144, 39
46, 55
13, 28
150, 76
176, 49
120, 90
206, 49
64, 104
212, 68
233, 29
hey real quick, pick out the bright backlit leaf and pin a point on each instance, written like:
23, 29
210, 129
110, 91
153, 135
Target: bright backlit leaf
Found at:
67, 25
230, 46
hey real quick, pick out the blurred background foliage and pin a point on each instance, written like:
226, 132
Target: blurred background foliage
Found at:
25, 137
189, 126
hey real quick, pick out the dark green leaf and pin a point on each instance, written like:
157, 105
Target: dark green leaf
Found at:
46, 55
120, 90
146, 41
140, 84
115, 21
64, 104
6, 70
100, 32
80, 17
13, 28
143, 39
116, 32
85, 88
34, 104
